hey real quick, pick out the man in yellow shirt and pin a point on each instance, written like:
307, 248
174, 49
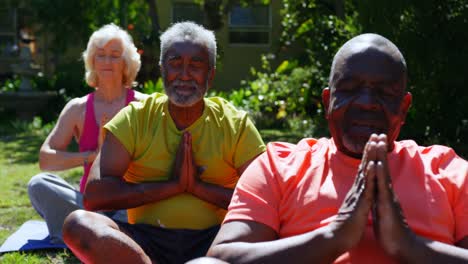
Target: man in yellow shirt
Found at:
172, 160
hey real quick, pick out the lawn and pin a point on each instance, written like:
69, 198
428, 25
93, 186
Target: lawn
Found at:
19, 147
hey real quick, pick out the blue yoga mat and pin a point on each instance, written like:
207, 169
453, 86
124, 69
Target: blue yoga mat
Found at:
31, 235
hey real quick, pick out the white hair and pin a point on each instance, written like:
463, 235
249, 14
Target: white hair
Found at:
189, 32
130, 55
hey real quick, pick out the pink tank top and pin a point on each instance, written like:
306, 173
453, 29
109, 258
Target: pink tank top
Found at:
89, 137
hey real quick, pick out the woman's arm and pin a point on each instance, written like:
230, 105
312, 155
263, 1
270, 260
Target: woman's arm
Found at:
53, 155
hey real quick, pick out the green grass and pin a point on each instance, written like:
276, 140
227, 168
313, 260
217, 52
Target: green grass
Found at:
18, 163
269, 135
19, 147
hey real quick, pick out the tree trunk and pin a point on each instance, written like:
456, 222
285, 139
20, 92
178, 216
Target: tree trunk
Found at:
123, 13
153, 13
340, 9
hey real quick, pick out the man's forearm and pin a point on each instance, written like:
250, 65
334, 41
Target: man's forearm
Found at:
428, 251
213, 194
318, 246
110, 193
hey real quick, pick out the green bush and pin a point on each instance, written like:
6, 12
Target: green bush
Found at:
11, 84
150, 87
287, 98
35, 127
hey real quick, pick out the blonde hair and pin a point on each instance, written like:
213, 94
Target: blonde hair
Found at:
130, 55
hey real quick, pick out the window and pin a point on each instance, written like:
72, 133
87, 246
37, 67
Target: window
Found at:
250, 25
187, 12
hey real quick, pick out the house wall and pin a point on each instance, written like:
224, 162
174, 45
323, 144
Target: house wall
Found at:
234, 63
236, 59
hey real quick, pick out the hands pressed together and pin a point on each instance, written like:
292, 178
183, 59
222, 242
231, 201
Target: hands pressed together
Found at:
372, 192
90, 156
185, 170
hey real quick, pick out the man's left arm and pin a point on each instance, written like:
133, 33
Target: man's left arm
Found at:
392, 231
215, 194
249, 145
429, 251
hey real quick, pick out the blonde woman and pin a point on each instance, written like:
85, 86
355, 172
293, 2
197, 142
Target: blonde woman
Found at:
112, 63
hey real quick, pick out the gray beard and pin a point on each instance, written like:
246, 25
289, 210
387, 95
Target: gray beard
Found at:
185, 100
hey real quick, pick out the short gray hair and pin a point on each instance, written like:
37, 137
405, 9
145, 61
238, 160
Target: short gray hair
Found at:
130, 53
191, 32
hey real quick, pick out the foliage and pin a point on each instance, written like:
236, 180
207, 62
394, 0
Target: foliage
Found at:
18, 162
10, 85
84, 17
57, 19
36, 127
289, 96
150, 87
65, 83
280, 99
62, 23
314, 30
431, 35
40, 257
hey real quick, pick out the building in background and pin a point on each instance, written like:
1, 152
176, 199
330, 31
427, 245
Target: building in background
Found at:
243, 34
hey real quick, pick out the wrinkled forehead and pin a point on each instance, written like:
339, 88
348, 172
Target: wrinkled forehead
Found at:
187, 48
369, 60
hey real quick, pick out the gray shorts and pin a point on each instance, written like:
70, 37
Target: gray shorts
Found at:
166, 245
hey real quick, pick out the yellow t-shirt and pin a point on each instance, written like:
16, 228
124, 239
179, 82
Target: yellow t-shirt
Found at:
223, 139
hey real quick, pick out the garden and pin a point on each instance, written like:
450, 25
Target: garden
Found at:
282, 96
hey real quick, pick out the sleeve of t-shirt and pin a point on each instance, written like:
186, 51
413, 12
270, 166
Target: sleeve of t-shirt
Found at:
455, 169
123, 128
257, 195
249, 144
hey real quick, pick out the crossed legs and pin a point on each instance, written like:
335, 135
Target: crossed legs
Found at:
95, 238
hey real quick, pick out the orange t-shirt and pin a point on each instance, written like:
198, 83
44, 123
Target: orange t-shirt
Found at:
295, 189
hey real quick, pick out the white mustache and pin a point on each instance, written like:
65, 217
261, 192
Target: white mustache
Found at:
184, 83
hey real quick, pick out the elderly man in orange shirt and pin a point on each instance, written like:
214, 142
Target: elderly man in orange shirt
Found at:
360, 196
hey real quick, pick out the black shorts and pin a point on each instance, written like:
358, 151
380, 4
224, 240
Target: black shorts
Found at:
171, 246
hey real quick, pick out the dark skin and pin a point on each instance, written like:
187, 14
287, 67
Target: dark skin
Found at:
366, 106
186, 62
366, 95
188, 65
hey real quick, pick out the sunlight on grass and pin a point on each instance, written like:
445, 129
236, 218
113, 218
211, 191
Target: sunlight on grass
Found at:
18, 163
22, 258
40, 257
13, 217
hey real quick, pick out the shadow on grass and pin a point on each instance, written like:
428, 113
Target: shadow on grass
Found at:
21, 148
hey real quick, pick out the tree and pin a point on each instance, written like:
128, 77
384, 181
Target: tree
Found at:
432, 35
289, 96
70, 24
